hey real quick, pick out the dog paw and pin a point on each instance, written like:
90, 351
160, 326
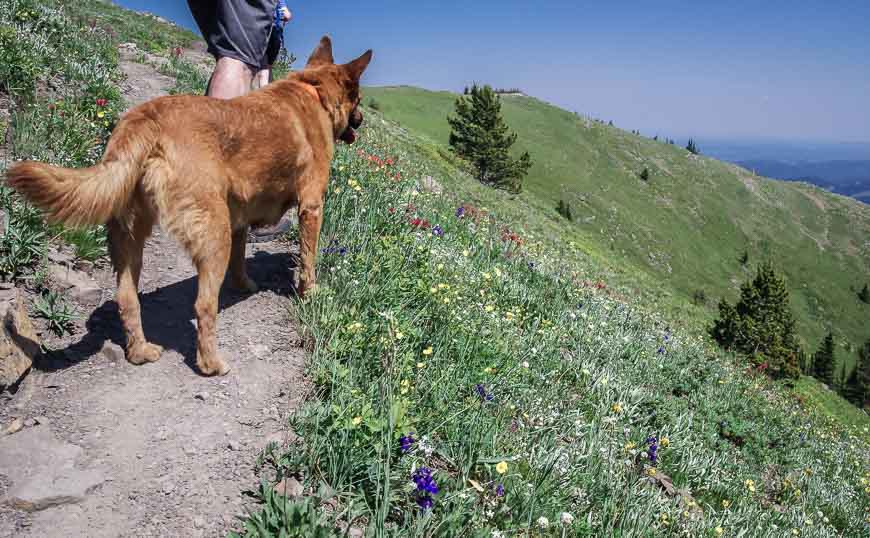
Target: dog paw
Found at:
215, 366
144, 353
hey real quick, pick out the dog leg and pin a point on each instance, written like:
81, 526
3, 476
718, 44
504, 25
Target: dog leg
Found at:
126, 243
238, 274
310, 221
211, 255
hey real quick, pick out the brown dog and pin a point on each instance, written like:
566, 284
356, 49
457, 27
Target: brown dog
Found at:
206, 170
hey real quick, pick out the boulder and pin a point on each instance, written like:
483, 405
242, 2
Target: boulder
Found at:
19, 344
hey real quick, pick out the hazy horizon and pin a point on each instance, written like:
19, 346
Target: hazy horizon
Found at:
777, 72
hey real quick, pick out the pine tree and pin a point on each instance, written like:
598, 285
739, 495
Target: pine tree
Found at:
761, 323
744, 258
823, 361
864, 294
858, 386
480, 136
564, 209
692, 148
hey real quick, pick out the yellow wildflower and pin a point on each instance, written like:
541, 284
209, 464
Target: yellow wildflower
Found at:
427, 351
357, 421
501, 467
616, 408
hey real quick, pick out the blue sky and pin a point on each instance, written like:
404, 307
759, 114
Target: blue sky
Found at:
789, 70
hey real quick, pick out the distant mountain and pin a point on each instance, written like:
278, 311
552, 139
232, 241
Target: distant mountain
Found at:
849, 178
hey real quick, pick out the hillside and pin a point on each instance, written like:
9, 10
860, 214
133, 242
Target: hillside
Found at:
685, 229
470, 368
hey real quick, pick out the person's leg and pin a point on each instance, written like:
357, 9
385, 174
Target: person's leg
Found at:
263, 77
231, 78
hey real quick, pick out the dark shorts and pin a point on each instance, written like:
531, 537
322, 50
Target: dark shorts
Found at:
239, 29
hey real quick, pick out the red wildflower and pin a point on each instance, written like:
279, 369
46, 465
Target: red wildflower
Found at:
101, 102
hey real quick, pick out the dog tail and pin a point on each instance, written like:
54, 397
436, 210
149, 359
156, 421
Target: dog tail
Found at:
88, 196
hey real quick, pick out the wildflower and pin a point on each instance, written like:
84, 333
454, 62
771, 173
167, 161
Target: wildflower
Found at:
399, 335
661, 351
489, 370
357, 421
101, 114
405, 386
499, 488
425, 502
616, 408
651, 471
427, 351
726, 503
437, 231
460, 212
406, 443
525, 364
719, 531
489, 308
501, 467
566, 519
426, 487
481, 391
750, 485
465, 253
101, 102
543, 522
421, 365
652, 451
665, 442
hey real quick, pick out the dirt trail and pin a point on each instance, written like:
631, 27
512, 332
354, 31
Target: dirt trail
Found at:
155, 450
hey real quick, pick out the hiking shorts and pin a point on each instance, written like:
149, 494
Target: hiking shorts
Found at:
239, 29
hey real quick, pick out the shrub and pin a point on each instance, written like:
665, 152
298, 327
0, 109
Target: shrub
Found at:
644, 174
564, 209
700, 297
864, 294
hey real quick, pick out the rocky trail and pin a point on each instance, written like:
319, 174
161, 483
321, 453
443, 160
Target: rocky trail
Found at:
92, 446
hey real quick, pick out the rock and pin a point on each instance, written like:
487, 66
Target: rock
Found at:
289, 487
13, 427
429, 184
61, 258
41, 420
42, 470
201, 396
29, 423
19, 344
234, 446
112, 352
78, 285
198, 522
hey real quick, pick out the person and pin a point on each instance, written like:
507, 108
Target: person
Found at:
238, 35
276, 43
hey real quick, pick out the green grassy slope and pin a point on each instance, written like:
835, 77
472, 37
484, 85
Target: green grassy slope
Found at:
684, 230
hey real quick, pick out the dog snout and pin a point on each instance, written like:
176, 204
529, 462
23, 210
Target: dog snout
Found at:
356, 118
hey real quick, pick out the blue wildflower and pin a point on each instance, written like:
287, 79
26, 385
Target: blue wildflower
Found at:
532, 265
499, 490
460, 212
425, 502
481, 391
406, 443
661, 350
437, 231
652, 450
426, 487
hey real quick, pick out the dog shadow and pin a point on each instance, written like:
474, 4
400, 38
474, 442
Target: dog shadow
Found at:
168, 314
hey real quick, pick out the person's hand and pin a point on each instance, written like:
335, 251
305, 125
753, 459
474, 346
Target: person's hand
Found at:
286, 15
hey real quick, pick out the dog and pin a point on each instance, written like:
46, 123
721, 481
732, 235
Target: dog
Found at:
206, 170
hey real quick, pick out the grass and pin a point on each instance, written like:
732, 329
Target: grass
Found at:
681, 232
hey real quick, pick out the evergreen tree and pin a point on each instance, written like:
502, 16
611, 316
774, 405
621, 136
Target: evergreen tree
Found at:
564, 209
858, 386
692, 148
480, 136
744, 258
823, 361
864, 294
761, 324
644, 174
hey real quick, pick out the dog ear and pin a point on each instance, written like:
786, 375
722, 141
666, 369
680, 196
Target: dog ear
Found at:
355, 68
322, 54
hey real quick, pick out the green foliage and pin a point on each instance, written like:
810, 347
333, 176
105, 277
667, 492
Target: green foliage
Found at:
644, 174
59, 314
374, 105
857, 386
692, 148
480, 136
864, 294
824, 361
761, 323
744, 258
564, 209
700, 298
285, 518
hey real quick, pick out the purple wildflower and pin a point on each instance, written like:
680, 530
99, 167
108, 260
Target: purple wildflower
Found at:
661, 350
425, 483
652, 451
460, 212
437, 231
425, 502
481, 391
532, 265
499, 490
406, 443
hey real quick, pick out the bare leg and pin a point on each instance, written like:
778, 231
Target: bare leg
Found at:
231, 78
238, 274
126, 241
263, 77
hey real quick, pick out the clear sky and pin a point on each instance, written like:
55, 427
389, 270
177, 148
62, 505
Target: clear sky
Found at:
790, 70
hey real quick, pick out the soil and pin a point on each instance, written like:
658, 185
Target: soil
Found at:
169, 452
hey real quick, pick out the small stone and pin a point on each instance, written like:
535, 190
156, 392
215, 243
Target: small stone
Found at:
198, 522
168, 488
201, 396
14, 427
112, 352
234, 446
290, 488
29, 423
41, 420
